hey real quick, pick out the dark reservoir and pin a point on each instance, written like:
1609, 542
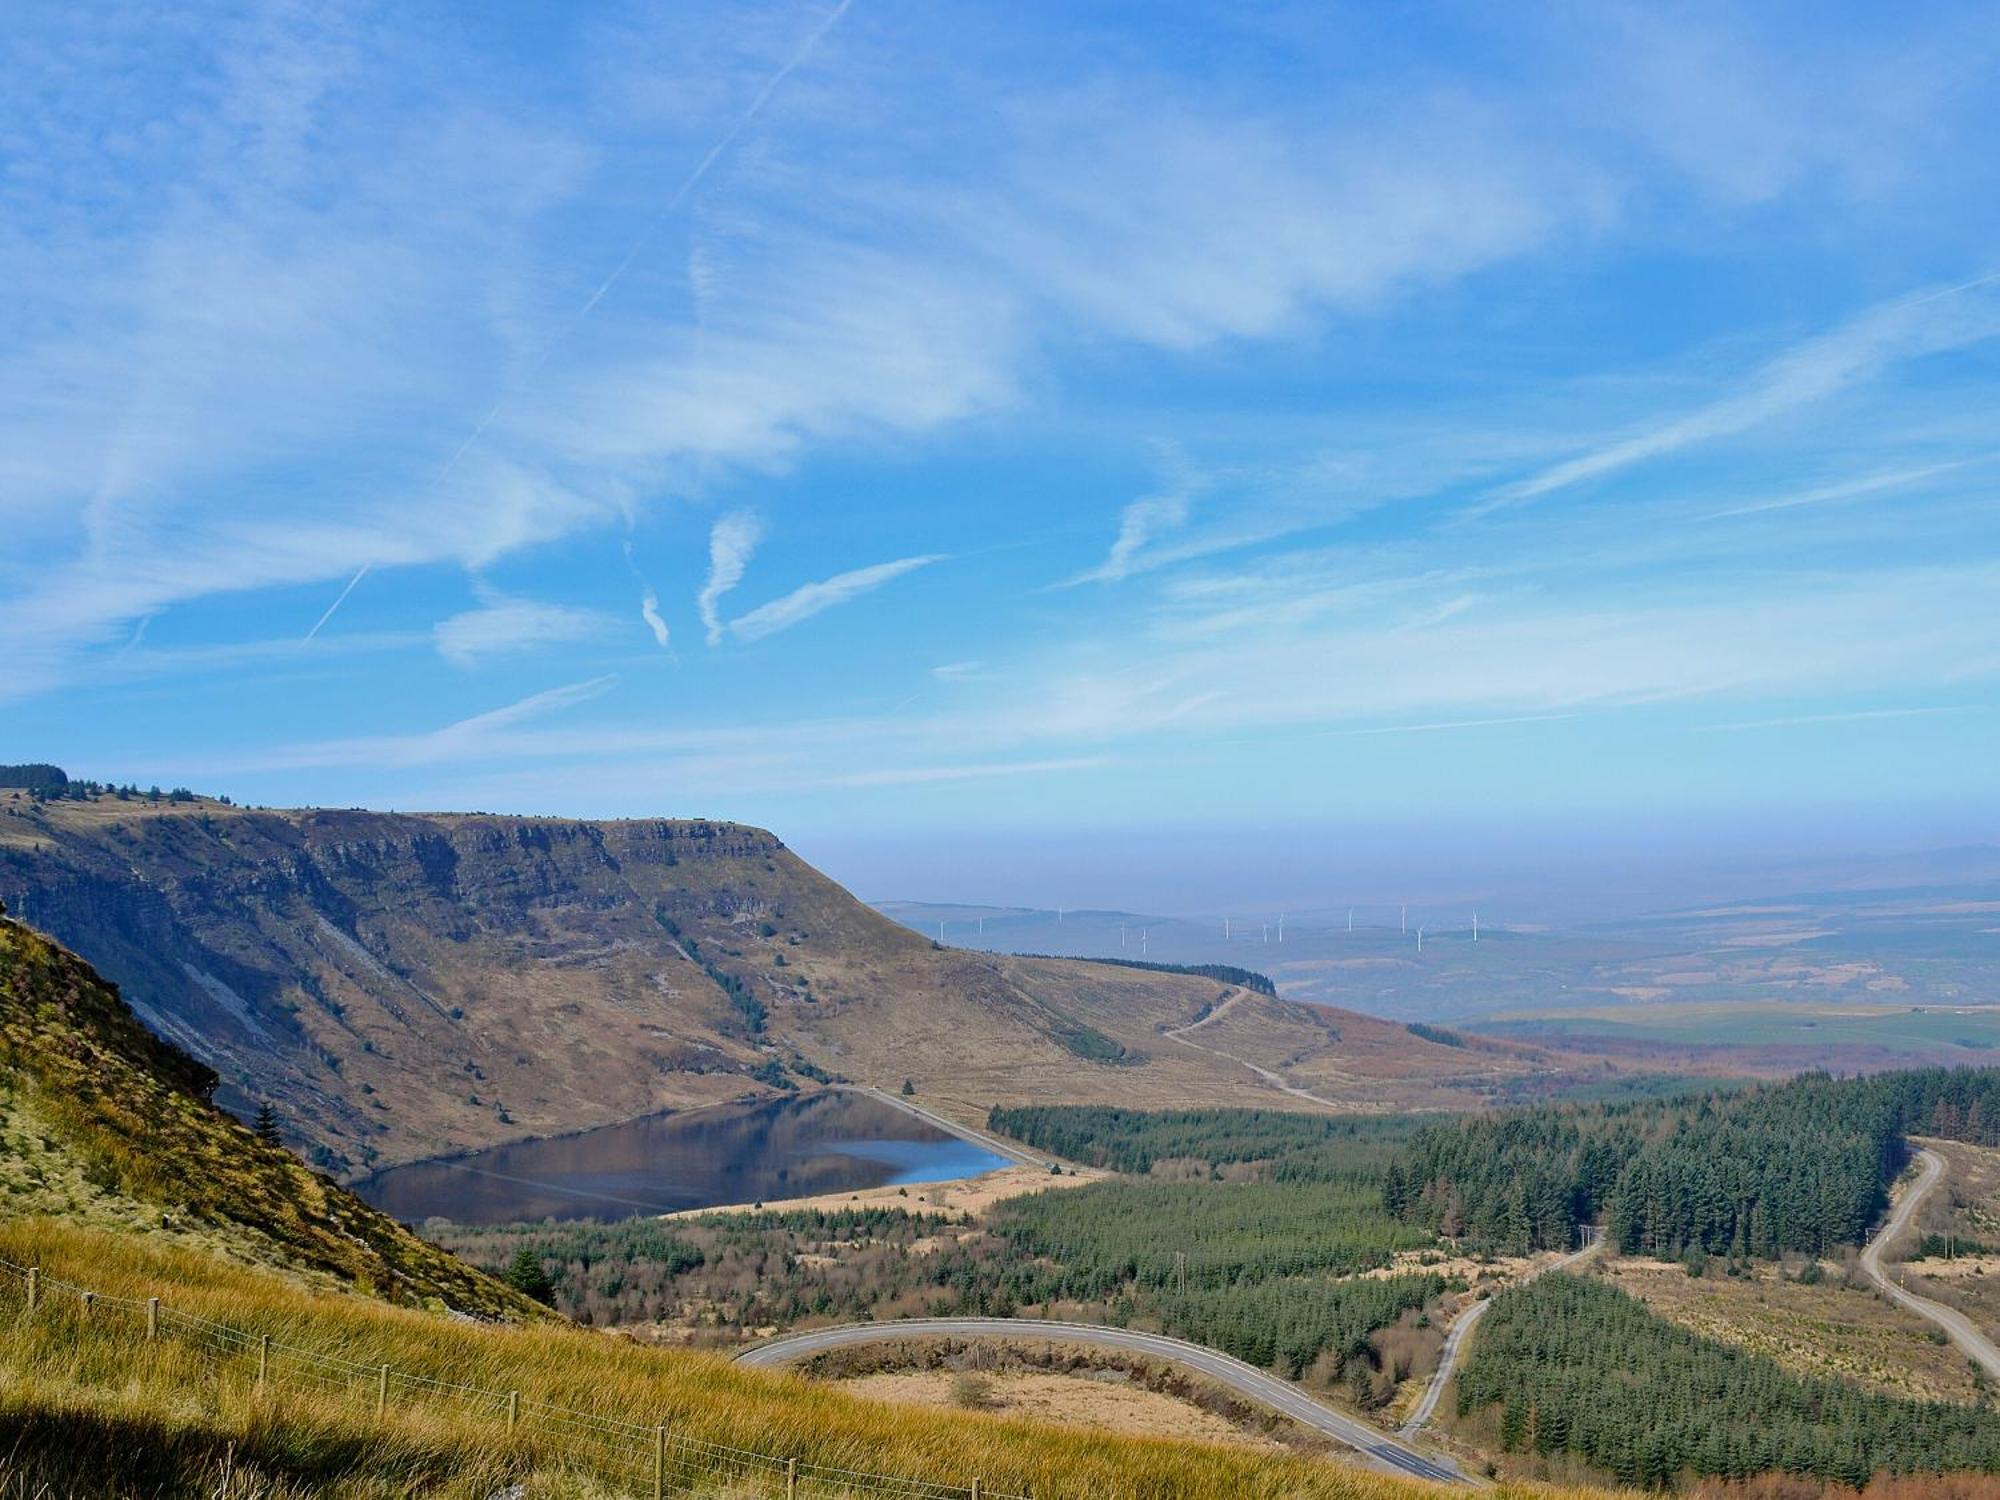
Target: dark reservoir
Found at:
736, 1153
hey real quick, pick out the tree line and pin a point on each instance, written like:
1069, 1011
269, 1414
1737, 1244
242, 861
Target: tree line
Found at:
1135, 1140
1800, 1166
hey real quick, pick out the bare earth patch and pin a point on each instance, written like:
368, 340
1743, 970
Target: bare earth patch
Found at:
960, 1199
1067, 1400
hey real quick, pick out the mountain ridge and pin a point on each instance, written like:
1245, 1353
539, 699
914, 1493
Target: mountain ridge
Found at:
409, 985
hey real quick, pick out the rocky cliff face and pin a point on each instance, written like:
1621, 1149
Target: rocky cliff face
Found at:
404, 985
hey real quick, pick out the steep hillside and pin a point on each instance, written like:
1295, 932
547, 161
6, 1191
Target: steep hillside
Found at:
403, 985
102, 1123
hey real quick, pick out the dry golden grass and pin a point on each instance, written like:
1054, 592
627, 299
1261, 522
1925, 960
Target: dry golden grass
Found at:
1829, 1329
78, 1384
1065, 1401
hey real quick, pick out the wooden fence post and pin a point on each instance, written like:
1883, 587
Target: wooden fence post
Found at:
382, 1390
152, 1319
34, 1286
660, 1462
513, 1410
977, 1486
88, 1298
263, 1361
791, 1479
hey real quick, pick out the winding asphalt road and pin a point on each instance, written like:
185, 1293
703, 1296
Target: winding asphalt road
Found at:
1385, 1452
1962, 1331
1454, 1344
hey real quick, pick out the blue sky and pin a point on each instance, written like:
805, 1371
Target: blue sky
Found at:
933, 420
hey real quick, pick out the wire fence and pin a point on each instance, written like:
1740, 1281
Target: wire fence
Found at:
649, 1459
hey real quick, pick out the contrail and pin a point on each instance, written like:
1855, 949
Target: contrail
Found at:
643, 239
359, 574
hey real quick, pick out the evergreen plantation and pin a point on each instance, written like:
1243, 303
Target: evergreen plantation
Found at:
1802, 1166
1265, 1271
1575, 1366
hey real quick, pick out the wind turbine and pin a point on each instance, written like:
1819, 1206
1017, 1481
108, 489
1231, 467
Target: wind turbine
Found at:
1281, 928
1475, 927
1350, 919
1420, 940
1406, 918
1225, 929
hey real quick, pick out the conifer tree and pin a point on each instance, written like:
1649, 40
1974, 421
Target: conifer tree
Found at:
265, 1126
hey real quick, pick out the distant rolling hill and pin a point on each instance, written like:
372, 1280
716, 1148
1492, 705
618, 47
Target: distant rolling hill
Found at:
1892, 935
404, 985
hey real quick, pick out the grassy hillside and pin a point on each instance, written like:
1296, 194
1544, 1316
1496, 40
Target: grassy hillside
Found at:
91, 1409
102, 1123
403, 985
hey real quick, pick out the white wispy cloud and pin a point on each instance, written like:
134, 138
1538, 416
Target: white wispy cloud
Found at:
1846, 489
649, 604
1139, 524
1441, 726
814, 598
328, 269
373, 276
505, 627
464, 741
978, 771
1853, 716
1929, 322
731, 542
649, 611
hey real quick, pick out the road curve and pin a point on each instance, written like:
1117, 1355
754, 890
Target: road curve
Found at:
1385, 1452
1975, 1345
1454, 1344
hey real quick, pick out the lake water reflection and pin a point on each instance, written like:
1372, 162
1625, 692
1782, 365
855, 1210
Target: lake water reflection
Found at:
780, 1148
